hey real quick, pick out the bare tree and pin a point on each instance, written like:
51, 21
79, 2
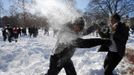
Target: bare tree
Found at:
13, 10
109, 7
22, 5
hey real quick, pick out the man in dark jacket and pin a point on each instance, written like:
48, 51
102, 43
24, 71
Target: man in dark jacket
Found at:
65, 48
7, 33
118, 33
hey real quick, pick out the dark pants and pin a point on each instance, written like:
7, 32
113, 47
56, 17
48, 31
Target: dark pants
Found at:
54, 69
16, 35
7, 37
4, 37
111, 61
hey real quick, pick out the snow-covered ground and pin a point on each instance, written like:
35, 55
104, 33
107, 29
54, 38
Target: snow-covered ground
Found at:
30, 56
130, 43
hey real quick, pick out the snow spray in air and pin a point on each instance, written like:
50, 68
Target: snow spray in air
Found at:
58, 13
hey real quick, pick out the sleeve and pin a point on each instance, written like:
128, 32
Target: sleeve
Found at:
88, 43
122, 32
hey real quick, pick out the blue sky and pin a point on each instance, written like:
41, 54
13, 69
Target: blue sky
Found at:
82, 4
6, 5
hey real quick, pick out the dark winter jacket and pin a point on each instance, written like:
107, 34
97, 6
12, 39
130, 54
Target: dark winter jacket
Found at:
8, 31
120, 37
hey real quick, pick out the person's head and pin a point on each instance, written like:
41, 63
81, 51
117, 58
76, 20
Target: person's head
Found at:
78, 25
115, 18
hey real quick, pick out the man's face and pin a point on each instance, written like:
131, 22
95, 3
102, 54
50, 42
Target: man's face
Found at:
113, 20
76, 28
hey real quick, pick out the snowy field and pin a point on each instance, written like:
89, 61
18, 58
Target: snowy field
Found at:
30, 56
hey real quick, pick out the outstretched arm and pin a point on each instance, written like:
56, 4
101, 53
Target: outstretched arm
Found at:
88, 43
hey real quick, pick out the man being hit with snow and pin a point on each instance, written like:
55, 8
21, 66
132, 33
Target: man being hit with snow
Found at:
118, 33
68, 40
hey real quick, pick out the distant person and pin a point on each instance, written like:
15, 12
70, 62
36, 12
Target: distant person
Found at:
7, 33
19, 31
118, 33
30, 31
15, 33
33, 31
24, 31
4, 34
